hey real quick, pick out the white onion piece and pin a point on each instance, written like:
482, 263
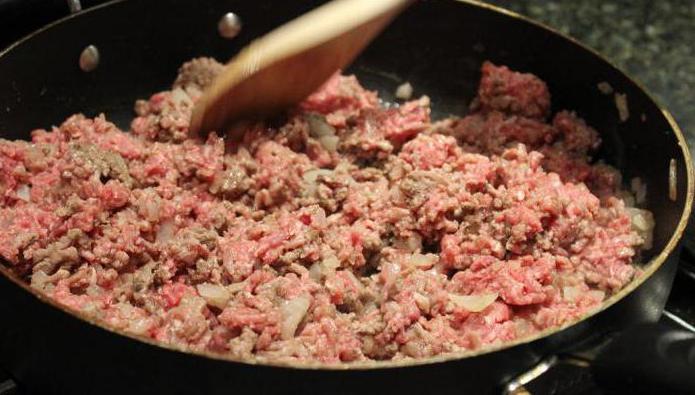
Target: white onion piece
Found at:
404, 91
41, 280
414, 242
165, 231
215, 295
570, 294
140, 326
597, 295
330, 264
422, 302
327, 266
642, 223
310, 176
315, 272
236, 287
390, 273
318, 127
423, 261
330, 143
523, 327
473, 303
150, 208
354, 279
411, 243
24, 192
179, 96
293, 312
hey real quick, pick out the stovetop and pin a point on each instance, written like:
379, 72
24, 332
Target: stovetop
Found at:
19, 17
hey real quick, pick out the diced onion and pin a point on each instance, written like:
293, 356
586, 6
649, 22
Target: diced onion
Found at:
411, 243
404, 91
640, 220
412, 349
390, 273
570, 293
523, 327
150, 207
642, 223
319, 270
42, 281
597, 295
423, 261
473, 303
165, 231
330, 143
321, 130
293, 312
39, 279
215, 295
310, 176
24, 192
422, 302
330, 263
318, 127
315, 272
236, 287
179, 96
354, 279
140, 326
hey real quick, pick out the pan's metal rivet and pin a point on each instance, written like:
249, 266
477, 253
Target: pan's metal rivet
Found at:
75, 6
229, 25
89, 58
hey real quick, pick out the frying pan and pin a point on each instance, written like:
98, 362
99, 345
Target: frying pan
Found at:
437, 45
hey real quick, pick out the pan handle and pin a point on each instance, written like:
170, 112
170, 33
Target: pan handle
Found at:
648, 358
644, 359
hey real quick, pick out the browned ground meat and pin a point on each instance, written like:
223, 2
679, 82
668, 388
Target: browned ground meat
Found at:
351, 232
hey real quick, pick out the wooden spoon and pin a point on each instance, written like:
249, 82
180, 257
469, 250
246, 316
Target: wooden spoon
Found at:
289, 63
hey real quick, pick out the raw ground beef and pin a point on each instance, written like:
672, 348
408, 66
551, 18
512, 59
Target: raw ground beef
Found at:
348, 232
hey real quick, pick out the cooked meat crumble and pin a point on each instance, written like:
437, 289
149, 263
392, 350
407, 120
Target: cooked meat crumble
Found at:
349, 232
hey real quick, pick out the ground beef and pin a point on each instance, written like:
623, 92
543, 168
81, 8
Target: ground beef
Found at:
512, 93
351, 232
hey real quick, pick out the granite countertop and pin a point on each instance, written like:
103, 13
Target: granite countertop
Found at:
653, 40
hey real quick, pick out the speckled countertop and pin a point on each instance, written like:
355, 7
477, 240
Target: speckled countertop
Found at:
653, 40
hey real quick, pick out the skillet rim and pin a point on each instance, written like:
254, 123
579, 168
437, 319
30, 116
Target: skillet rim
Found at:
650, 267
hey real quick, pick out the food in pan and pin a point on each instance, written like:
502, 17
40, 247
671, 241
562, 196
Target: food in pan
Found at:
345, 230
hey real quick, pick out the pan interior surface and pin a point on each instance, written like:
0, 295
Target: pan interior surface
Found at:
438, 46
